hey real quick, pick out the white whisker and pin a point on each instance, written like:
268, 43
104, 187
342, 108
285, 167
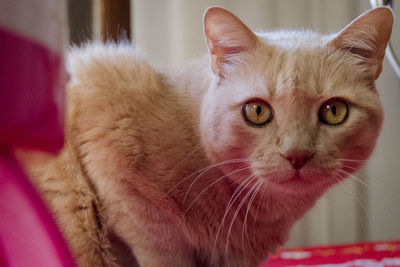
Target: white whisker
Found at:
198, 177
233, 198
384, 201
337, 176
197, 147
213, 183
244, 228
258, 207
206, 169
237, 212
358, 201
352, 160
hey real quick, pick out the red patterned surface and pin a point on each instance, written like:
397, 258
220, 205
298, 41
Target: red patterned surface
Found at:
372, 254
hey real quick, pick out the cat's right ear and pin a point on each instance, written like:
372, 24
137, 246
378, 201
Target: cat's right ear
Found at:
367, 37
226, 36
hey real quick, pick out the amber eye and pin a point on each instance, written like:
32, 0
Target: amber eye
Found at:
257, 113
333, 112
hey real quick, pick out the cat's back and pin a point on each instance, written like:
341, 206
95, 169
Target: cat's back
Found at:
109, 69
108, 91
112, 91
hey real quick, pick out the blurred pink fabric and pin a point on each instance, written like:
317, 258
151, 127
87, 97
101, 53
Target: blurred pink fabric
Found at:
32, 96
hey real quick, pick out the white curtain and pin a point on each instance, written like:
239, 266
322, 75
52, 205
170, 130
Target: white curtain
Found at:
169, 32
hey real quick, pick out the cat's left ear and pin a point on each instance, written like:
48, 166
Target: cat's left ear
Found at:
367, 37
226, 36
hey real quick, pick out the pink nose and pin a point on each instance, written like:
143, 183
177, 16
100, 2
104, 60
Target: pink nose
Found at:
298, 157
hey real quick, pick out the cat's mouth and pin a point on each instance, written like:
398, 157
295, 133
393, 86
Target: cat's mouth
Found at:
286, 179
295, 181
296, 177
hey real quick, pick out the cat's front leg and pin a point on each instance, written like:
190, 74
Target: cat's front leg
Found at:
236, 262
154, 255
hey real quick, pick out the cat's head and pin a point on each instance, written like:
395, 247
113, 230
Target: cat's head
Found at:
296, 109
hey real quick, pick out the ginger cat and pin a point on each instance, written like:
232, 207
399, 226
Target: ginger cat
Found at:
212, 163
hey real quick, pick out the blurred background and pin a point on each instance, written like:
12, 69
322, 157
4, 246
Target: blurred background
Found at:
169, 33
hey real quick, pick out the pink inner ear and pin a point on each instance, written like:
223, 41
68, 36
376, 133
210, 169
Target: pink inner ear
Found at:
367, 36
226, 35
359, 51
230, 50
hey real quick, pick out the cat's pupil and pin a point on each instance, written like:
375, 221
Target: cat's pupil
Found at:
258, 110
333, 109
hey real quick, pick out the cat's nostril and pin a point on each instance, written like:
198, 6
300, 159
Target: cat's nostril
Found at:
297, 163
298, 158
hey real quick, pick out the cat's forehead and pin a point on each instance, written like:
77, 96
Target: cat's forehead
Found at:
295, 71
293, 39
292, 65
286, 71
287, 61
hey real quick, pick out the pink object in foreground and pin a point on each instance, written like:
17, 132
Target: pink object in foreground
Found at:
372, 254
32, 80
28, 234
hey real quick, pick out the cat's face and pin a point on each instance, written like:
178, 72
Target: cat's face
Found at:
299, 110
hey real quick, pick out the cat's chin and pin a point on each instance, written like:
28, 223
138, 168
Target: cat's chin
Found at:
296, 183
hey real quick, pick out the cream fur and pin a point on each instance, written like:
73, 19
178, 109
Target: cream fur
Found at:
139, 141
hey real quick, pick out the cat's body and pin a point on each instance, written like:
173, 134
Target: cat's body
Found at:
166, 162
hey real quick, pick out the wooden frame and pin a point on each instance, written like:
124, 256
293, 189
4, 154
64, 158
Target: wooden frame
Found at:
111, 20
